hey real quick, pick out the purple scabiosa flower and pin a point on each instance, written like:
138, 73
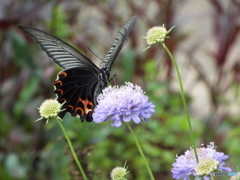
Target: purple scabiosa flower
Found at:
124, 103
209, 161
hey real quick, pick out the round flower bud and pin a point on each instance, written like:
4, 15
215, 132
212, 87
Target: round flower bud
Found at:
118, 173
49, 108
155, 35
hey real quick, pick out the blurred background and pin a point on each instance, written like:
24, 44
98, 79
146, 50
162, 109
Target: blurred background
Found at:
205, 43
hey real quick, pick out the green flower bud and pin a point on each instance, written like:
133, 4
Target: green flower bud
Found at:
118, 173
49, 109
155, 35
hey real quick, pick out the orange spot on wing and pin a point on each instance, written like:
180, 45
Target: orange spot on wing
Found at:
62, 73
78, 108
71, 107
60, 90
86, 103
58, 82
62, 100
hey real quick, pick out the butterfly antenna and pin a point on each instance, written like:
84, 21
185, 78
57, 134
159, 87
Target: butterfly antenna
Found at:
114, 79
125, 42
94, 53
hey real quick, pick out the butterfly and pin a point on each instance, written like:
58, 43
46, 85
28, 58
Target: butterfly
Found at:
80, 82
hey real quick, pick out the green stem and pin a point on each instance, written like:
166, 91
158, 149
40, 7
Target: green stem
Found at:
140, 151
183, 99
72, 150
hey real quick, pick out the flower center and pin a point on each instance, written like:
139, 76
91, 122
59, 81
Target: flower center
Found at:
206, 166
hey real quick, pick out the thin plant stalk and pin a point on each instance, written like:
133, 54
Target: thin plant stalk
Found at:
140, 151
183, 99
72, 149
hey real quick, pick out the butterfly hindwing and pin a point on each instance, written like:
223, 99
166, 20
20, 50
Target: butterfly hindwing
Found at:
74, 87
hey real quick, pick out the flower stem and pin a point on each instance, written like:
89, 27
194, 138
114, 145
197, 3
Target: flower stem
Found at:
140, 151
72, 150
183, 99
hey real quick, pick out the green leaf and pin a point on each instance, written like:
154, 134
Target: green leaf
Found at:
128, 65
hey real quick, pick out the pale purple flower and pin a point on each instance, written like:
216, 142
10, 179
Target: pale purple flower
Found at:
124, 103
186, 164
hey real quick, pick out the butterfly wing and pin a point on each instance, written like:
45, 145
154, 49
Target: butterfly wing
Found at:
75, 88
76, 84
60, 52
81, 81
118, 43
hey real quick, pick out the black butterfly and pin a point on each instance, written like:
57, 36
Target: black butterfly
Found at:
81, 81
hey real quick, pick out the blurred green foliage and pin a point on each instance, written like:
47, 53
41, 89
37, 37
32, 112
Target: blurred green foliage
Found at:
38, 151
58, 25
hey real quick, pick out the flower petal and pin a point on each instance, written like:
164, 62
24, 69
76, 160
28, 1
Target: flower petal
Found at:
127, 118
136, 119
117, 123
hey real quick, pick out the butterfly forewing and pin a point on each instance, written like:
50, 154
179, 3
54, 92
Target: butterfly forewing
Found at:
62, 53
118, 43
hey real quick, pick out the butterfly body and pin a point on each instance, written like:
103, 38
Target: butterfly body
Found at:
81, 81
